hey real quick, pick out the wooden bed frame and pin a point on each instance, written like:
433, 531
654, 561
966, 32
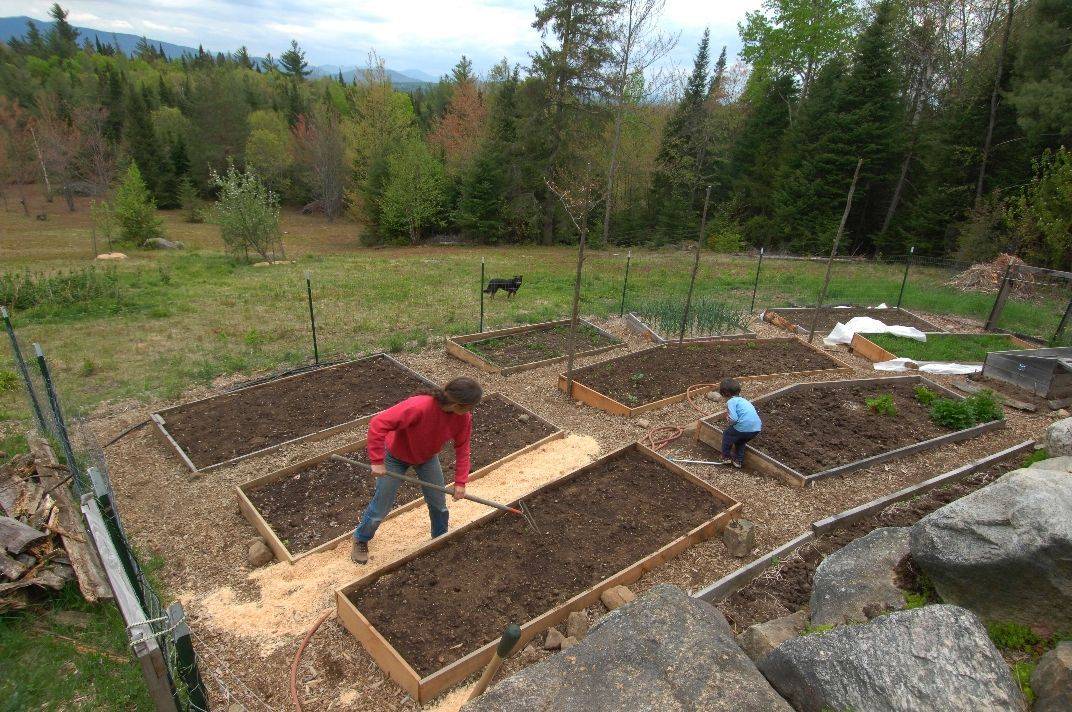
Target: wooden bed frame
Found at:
456, 347
868, 349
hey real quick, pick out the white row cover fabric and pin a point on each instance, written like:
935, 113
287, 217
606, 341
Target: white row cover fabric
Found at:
842, 333
942, 368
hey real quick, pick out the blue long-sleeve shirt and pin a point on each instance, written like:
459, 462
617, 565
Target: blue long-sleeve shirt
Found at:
743, 415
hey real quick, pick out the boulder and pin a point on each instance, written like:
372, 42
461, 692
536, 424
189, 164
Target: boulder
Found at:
159, 243
259, 553
858, 580
936, 658
1005, 550
665, 652
759, 639
1057, 464
577, 625
616, 597
553, 639
1057, 439
739, 536
1052, 680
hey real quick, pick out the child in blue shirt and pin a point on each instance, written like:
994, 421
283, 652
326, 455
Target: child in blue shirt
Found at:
744, 423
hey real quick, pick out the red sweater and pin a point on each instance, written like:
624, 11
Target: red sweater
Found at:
416, 429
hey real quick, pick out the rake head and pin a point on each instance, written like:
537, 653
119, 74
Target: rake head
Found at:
527, 514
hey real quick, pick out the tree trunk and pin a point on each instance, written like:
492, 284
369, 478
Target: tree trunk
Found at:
618, 119
917, 111
69, 195
994, 106
572, 344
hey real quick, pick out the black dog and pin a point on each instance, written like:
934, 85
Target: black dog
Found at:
510, 285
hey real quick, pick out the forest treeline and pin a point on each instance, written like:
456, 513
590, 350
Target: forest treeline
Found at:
961, 111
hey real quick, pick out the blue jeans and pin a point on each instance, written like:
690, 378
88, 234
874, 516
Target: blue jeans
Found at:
387, 487
733, 442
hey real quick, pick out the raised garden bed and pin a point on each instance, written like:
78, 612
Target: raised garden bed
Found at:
660, 376
817, 430
1046, 373
939, 346
434, 617
221, 430
313, 505
638, 326
521, 348
799, 319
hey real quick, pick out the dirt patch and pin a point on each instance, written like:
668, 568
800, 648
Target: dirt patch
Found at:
787, 588
538, 344
823, 427
646, 376
441, 606
830, 316
322, 502
1011, 391
235, 424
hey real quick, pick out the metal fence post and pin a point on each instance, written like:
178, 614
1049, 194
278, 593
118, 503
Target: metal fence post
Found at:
904, 281
57, 417
187, 659
24, 372
755, 285
1059, 334
625, 282
481, 295
312, 317
999, 301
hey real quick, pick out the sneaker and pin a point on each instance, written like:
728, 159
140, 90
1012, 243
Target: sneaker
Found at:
359, 554
738, 465
723, 461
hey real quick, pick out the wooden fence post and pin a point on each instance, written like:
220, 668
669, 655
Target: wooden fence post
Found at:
999, 301
833, 250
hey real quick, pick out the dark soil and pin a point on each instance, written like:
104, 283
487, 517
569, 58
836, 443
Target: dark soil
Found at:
239, 423
323, 502
650, 375
788, 588
830, 316
537, 345
822, 427
446, 603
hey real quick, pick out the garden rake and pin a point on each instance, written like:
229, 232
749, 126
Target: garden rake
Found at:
523, 512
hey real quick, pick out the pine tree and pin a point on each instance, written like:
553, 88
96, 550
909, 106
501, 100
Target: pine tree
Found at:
135, 211
62, 38
141, 142
115, 105
243, 58
292, 62
35, 43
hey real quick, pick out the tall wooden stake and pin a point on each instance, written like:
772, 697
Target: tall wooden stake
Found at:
576, 308
481, 295
695, 266
833, 250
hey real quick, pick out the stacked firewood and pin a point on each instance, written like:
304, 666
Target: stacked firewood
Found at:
43, 542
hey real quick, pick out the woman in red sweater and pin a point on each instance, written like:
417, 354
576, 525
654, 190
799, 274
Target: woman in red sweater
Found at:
411, 434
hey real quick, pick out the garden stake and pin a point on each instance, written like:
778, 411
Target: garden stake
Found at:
695, 266
1059, 334
506, 644
312, 318
625, 282
448, 490
833, 250
907, 264
755, 285
481, 295
24, 372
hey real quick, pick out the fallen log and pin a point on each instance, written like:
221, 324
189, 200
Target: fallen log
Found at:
16, 537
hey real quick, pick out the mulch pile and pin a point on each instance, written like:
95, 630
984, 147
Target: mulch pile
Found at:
986, 277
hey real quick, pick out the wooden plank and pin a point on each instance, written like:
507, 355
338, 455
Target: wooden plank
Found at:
434, 683
162, 431
16, 537
868, 349
456, 346
728, 585
754, 459
460, 352
867, 509
781, 316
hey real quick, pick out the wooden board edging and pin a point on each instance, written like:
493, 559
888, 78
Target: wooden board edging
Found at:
711, 434
868, 349
778, 316
731, 583
599, 400
456, 347
639, 326
280, 549
424, 689
317, 435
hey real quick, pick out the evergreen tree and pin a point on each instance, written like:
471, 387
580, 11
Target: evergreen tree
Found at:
35, 43
243, 58
114, 104
463, 71
141, 142
1042, 84
135, 211
292, 62
62, 38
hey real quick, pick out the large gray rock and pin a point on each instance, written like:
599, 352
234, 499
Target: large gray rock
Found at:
1058, 438
663, 652
858, 581
936, 658
1005, 550
1058, 464
1052, 680
159, 243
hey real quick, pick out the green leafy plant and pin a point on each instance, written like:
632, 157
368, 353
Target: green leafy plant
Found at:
952, 414
925, 395
883, 404
637, 377
9, 381
1036, 456
915, 600
982, 407
1012, 636
985, 406
247, 213
1022, 671
706, 316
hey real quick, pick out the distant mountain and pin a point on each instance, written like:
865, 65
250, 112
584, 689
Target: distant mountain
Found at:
13, 27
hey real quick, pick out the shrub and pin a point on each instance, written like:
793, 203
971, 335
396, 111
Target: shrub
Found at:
247, 213
1012, 636
135, 210
883, 404
925, 395
953, 414
192, 208
985, 406
982, 407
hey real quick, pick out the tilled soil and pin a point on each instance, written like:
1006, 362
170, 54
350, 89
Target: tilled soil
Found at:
787, 588
537, 345
235, 424
830, 316
318, 504
822, 427
646, 376
444, 604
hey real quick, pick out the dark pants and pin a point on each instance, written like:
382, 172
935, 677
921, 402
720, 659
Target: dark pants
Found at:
733, 442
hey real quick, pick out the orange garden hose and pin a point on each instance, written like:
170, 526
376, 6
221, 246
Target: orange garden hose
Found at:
662, 435
297, 658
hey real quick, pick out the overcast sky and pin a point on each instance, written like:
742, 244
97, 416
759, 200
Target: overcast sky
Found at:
428, 35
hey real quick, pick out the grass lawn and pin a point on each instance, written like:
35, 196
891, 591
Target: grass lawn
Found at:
66, 654
963, 348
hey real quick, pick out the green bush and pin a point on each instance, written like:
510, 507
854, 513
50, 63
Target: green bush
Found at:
247, 213
925, 395
9, 381
952, 414
985, 406
192, 208
1036, 456
883, 404
135, 210
982, 407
